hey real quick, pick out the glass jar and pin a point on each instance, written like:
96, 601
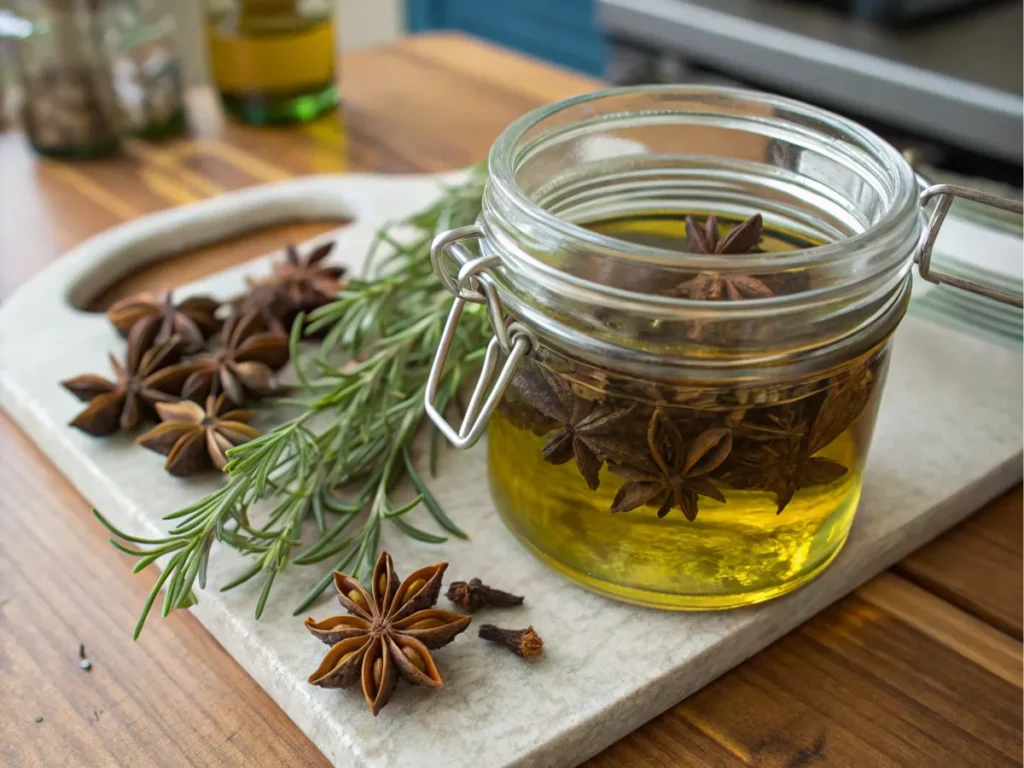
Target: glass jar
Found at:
69, 108
272, 60
673, 428
142, 45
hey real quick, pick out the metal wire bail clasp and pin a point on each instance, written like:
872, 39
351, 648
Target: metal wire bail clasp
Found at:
473, 284
945, 194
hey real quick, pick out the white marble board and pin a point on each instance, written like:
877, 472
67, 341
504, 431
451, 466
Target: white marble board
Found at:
948, 439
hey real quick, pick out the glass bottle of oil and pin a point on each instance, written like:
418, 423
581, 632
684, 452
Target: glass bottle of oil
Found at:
272, 60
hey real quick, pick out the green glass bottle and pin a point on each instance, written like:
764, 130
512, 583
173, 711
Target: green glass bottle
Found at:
272, 60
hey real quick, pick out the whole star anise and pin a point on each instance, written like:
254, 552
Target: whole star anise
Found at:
389, 632
308, 283
296, 284
193, 320
675, 474
583, 430
781, 470
147, 377
244, 364
713, 286
782, 460
195, 439
268, 300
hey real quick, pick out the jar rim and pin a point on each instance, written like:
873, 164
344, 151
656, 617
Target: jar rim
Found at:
623, 152
900, 176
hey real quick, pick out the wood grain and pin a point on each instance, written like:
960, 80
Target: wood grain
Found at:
920, 667
977, 565
174, 699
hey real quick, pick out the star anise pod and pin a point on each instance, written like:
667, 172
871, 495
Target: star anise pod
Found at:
308, 283
782, 472
195, 439
296, 284
844, 400
713, 286
147, 377
193, 320
584, 428
675, 474
390, 632
244, 364
268, 300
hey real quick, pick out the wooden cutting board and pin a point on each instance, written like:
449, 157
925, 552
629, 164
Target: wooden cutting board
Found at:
949, 438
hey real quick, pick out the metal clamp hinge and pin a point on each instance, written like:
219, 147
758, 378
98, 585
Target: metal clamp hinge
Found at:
945, 194
473, 284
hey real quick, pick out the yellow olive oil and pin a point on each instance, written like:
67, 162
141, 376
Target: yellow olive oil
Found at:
272, 63
782, 500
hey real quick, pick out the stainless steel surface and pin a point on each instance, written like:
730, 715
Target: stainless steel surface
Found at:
958, 80
944, 194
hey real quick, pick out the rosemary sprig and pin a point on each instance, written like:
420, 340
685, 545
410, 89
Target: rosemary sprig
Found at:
340, 459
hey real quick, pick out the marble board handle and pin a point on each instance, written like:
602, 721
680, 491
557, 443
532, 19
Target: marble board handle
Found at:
367, 200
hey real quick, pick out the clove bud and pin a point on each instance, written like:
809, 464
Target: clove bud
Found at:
474, 595
522, 642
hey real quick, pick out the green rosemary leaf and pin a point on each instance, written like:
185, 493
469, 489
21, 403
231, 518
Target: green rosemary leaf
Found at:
322, 554
265, 592
320, 586
176, 572
407, 507
316, 552
150, 558
293, 349
318, 512
336, 505
204, 559
127, 550
410, 530
121, 534
428, 499
149, 602
244, 577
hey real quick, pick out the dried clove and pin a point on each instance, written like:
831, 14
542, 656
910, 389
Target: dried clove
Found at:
522, 642
474, 595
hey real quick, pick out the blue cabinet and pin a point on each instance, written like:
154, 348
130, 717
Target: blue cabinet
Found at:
563, 32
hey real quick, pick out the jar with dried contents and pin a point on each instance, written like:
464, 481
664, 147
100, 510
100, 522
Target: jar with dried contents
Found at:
142, 45
69, 107
693, 292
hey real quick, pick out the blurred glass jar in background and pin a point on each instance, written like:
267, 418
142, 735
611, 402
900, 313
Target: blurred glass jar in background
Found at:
69, 108
272, 60
141, 43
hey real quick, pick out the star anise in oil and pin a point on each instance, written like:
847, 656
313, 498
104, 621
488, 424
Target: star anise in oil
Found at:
146, 378
585, 430
844, 400
674, 474
194, 438
715, 286
193, 320
776, 453
243, 365
389, 633
782, 470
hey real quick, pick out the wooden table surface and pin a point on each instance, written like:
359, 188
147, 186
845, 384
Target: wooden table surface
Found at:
920, 667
